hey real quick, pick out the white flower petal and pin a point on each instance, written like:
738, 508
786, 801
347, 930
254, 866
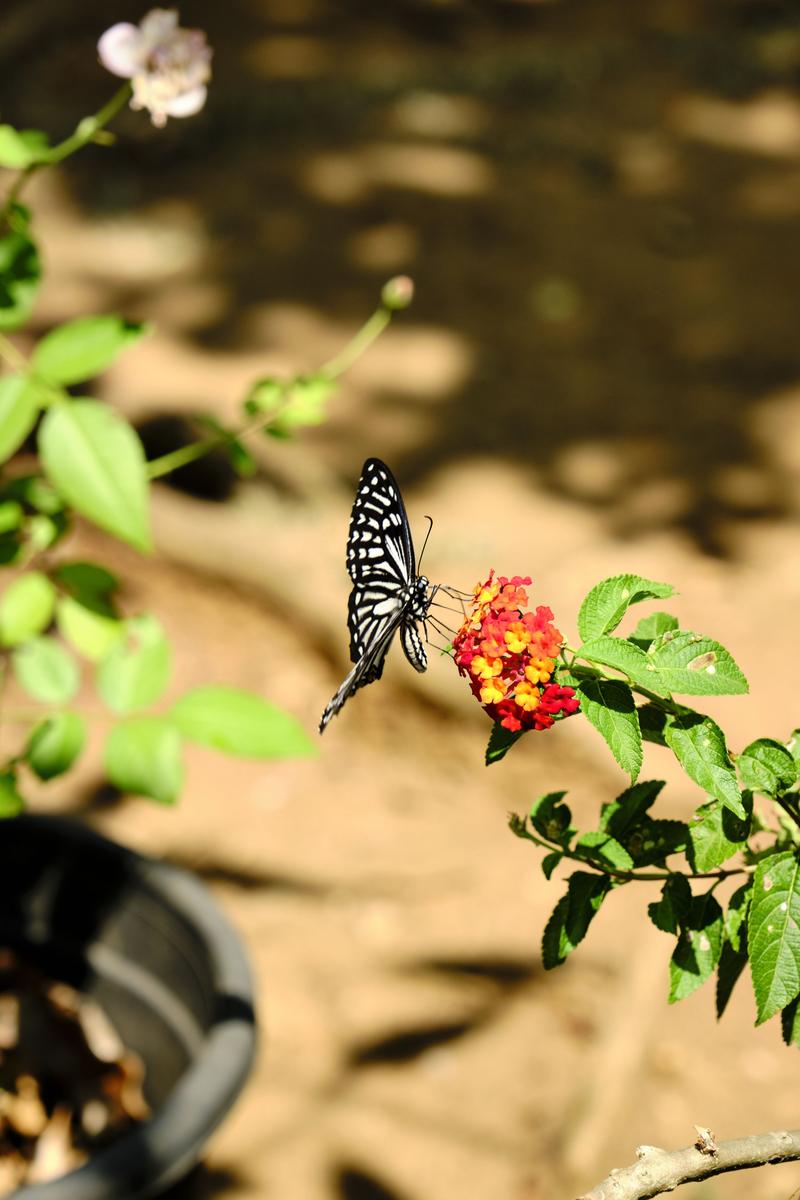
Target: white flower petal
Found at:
188, 103
158, 26
121, 50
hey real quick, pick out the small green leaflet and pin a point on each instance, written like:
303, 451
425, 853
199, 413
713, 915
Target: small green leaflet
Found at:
618, 817
734, 956
11, 803
87, 631
551, 818
19, 408
606, 604
608, 705
601, 848
699, 947
672, 910
572, 916
550, 862
20, 148
731, 965
20, 275
81, 349
773, 933
790, 1024
698, 743
691, 665
55, 744
767, 767
136, 669
240, 723
500, 742
26, 607
96, 461
716, 834
652, 627
143, 757
45, 670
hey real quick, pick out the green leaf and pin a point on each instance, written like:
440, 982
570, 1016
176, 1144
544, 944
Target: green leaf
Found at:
606, 604
698, 743
672, 910
20, 275
46, 670
136, 669
652, 722
96, 461
240, 723
625, 813
26, 607
19, 408
11, 515
608, 705
600, 847
737, 914
653, 627
87, 631
551, 818
89, 584
500, 742
715, 835
767, 767
302, 402
143, 757
20, 148
654, 841
624, 656
790, 1024
773, 933
731, 964
55, 744
793, 746
572, 916
699, 947
11, 803
240, 457
692, 665
81, 349
550, 862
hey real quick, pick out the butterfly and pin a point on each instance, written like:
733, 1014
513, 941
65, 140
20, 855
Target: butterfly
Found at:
387, 593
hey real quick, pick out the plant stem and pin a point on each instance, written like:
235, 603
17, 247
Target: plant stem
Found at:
366, 335
14, 357
85, 132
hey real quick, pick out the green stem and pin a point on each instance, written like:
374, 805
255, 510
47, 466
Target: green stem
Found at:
366, 335
598, 671
85, 132
631, 876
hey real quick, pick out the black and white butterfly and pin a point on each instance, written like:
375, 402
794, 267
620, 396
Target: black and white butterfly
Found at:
387, 593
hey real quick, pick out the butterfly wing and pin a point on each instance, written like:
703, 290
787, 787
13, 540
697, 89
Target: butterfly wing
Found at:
380, 556
368, 668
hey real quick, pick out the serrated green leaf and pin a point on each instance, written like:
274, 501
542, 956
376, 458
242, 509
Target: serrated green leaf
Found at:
716, 834
54, 744
790, 1023
653, 627
572, 916
96, 461
606, 604
87, 631
137, 668
19, 408
773, 933
551, 818
26, 608
767, 767
11, 803
672, 910
143, 757
652, 843
624, 656
736, 915
550, 862
20, 275
698, 743
623, 814
83, 348
652, 723
692, 665
793, 745
731, 964
240, 723
608, 705
699, 948
500, 742
45, 670
20, 148
600, 847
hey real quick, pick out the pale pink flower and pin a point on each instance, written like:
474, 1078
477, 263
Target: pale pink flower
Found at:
168, 66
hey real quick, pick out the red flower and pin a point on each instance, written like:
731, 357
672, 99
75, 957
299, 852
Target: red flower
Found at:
509, 656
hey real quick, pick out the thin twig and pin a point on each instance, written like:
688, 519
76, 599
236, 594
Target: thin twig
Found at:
659, 1171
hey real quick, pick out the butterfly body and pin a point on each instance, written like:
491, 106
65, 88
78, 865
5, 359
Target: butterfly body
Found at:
387, 595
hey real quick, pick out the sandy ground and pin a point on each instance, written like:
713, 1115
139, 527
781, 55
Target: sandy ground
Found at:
600, 374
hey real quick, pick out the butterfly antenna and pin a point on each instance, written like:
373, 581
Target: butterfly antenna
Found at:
424, 544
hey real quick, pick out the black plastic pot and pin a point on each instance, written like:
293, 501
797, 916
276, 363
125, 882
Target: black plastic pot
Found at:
149, 943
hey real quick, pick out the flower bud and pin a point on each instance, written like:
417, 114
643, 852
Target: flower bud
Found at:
398, 293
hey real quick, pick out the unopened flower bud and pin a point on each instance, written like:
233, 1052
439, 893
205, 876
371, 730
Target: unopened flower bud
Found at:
398, 293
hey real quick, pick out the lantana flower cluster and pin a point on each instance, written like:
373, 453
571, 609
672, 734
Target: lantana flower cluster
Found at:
509, 656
